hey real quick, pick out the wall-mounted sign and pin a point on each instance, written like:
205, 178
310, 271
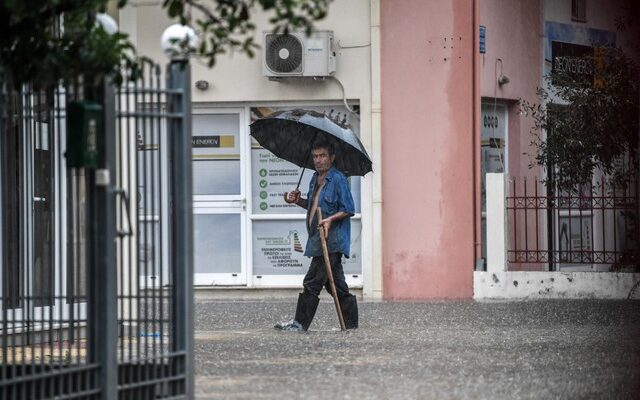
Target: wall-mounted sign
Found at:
272, 177
574, 60
278, 248
213, 141
566, 41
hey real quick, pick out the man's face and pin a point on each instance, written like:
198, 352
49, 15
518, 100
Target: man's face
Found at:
322, 161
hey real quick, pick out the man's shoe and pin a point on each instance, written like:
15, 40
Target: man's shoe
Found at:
291, 326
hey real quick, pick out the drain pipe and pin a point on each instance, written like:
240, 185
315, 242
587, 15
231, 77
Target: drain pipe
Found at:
477, 207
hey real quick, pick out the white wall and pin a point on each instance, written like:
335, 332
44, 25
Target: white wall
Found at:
237, 78
553, 285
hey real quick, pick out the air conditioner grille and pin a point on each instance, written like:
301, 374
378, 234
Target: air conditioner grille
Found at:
284, 53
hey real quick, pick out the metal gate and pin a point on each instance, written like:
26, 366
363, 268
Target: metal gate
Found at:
96, 281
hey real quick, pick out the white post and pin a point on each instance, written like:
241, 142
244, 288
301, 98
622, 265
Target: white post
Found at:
496, 223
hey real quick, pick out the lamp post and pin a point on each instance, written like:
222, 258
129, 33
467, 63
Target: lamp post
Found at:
178, 43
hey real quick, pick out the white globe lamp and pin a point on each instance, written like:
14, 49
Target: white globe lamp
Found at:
179, 41
106, 22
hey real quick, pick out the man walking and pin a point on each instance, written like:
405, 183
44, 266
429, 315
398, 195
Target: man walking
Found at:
329, 191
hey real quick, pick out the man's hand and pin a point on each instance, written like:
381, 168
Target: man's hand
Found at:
326, 224
293, 197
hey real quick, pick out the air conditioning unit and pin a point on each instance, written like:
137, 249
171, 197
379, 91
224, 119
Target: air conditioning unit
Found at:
296, 55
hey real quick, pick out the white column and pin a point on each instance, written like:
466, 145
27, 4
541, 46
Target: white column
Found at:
496, 223
372, 285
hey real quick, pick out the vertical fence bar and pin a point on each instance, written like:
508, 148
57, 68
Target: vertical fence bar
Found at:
28, 255
537, 216
636, 178
593, 208
515, 220
580, 194
570, 226
161, 262
120, 215
551, 206
66, 197
40, 192
155, 245
526, 225
179, 136
132, 164
604, 212
615, 230
103, 293
4, 300
141, 109
58, 238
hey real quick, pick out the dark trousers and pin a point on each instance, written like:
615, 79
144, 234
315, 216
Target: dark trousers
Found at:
317, 277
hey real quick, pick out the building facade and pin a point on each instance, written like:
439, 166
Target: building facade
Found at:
431, 88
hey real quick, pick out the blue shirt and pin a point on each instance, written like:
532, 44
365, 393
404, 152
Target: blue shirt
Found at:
334, 197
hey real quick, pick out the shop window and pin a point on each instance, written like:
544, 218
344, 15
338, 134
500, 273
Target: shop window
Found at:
279, 233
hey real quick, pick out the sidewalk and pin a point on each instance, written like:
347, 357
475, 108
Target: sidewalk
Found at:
440, 350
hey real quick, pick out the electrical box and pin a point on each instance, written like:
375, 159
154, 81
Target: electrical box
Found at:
84, 134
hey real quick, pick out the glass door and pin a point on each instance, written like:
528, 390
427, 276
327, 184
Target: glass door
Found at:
278, 230
219, 206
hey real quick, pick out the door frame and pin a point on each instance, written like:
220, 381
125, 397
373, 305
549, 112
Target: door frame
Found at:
227, 204
498, 107
211, 204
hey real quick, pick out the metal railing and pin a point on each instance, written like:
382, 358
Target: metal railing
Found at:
96, 279
44, 250
154, 279
595, 224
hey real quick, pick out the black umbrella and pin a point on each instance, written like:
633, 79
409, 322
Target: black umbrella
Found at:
291, 135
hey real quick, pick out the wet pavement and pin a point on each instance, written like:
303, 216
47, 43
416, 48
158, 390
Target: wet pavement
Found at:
560, 349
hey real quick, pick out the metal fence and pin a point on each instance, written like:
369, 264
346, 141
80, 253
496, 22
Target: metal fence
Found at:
596, 225
96, 276
153, 299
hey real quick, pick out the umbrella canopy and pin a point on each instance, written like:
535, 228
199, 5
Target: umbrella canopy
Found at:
291, 135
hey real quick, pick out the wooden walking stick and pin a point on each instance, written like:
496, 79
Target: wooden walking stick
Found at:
327, 264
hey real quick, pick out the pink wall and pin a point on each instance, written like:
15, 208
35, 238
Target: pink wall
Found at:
427, 148
515, 36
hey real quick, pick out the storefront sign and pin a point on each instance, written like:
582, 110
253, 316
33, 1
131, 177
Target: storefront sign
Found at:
273, 177
573, 60
213, 141
278, 248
